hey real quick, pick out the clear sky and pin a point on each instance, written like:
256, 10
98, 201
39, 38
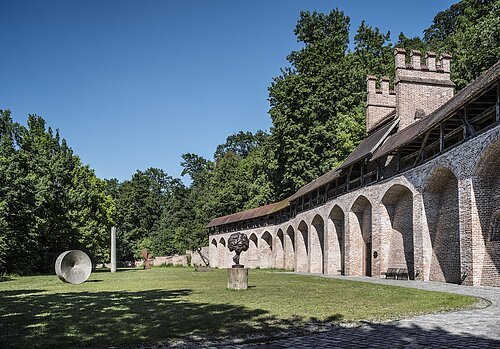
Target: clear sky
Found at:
135, 84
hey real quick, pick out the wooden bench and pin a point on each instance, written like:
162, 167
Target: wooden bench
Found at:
391, 273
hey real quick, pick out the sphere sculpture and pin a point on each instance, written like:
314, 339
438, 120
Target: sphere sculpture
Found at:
238, 242
73, 266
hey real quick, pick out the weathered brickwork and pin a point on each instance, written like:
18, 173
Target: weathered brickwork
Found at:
380, 102
440, 219
421, 89
396, 228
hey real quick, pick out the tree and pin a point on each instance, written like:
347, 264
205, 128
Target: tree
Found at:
241, 144
140, 204
317, 105
470, 31
49, 201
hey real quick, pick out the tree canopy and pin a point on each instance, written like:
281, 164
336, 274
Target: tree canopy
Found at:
49, 201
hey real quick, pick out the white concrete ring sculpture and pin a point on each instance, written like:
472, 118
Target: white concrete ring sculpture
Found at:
73, 266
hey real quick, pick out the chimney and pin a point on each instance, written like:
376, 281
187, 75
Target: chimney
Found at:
421, 88
380, 102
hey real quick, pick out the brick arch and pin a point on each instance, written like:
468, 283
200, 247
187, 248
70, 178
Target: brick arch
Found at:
396, 229
279, 250
252, 255
487, 199
266, 250
289, 248
317, 245
222, 261
213, 253
441, 207
360, 237
336, 239
401, 181
302, 247
489, 160
439, 164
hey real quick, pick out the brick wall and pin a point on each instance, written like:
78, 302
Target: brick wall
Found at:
279, 250
380, 102
396, 229
290, 248
453, 196
442, 210
335, 237
421, 88
302, 248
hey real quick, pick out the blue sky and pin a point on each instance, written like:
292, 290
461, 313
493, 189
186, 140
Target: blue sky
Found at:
135, 84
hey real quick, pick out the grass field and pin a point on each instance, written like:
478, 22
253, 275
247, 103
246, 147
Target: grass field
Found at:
161, 304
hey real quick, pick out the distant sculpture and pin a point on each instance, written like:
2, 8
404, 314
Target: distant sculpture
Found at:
148, 259
73, 266
237, 242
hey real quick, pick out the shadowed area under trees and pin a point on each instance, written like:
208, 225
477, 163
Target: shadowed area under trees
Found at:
50, 202
168, 304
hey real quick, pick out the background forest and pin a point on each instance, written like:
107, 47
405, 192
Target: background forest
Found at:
51, 202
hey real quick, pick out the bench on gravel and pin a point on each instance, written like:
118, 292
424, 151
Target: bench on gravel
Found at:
391, 273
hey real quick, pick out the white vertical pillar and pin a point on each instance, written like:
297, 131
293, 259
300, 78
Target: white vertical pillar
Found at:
113, 250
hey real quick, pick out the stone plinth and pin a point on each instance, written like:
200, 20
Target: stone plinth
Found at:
237, 278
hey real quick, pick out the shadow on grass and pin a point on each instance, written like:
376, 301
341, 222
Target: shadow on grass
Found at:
87, 319
32, 319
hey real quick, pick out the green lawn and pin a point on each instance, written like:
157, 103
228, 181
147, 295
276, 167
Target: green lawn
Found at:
144, 306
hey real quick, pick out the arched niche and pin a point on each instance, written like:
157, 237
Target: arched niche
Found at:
336, 254
360, 231
302, 248
396, 225
441, 206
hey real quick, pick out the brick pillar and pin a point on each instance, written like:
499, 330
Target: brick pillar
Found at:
471, 241
328, 242
377, 240
348, 254
421, 243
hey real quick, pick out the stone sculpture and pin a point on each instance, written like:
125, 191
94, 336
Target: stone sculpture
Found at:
73, 266
238, 242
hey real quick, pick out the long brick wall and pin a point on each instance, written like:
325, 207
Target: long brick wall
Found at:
441, 220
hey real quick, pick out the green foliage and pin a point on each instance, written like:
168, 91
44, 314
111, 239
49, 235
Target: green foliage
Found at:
317, 104
145, 243
49, 201
141, 203
470, 31
240, 144
414, 43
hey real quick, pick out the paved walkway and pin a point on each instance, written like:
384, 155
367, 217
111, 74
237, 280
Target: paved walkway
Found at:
476, 328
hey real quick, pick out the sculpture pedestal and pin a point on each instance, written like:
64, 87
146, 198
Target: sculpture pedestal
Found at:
237, 278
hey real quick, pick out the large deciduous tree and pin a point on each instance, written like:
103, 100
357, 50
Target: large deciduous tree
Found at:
49, 201
317, 103
470, 31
